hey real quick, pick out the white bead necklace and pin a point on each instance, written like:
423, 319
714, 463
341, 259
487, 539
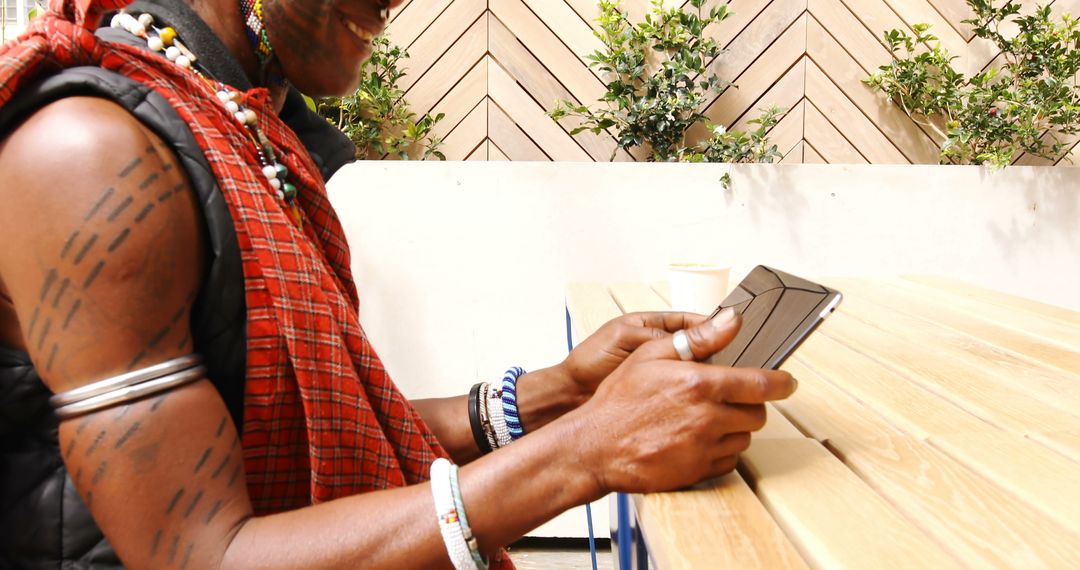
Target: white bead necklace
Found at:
164, 40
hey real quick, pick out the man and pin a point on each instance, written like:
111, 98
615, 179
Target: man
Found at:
164, 203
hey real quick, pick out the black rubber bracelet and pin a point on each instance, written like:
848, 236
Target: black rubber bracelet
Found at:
474, 420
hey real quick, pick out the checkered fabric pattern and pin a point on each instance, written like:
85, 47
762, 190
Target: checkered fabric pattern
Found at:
322, 419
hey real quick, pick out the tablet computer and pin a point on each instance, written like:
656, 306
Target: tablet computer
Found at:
779, 311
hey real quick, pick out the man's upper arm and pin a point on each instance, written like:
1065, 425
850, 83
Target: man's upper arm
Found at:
103, 252
103, 257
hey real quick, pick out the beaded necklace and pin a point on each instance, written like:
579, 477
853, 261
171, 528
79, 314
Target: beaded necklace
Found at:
164, 40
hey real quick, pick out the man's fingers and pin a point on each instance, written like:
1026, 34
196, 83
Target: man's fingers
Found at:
668, 321
754, 386
705, 338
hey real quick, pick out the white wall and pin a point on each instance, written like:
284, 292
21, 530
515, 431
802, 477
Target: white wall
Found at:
462, 266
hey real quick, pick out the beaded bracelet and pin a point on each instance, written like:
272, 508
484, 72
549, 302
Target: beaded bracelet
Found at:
498, 418
448, 515
475, 403
466, 531
509, 402
486, 418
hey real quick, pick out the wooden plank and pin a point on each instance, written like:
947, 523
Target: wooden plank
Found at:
547, 48
811, 156
590, 306
531, 118
635, 297
1054, 387
717, 524
954, 288
847, 75
777, 426
860, 43
771, 66
833, 517
662, 288
433, 48
786, 93
494, 153
795, 155
972, 56
755, 39
512, 142
480, 153
909, 407
468, 135
1051, 330
955, 12
1066, 443
858, 129
1036, 474
824, 412
562, 20
740, 18
997, 390
461, 99
462, 58
975, 520
827, 140
520, 64
1004, 336
407, 24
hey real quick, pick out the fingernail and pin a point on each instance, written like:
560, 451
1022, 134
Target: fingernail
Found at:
724, 318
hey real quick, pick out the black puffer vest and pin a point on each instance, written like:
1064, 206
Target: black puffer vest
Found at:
43, 521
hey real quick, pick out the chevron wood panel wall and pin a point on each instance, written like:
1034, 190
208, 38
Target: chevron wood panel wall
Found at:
494, 67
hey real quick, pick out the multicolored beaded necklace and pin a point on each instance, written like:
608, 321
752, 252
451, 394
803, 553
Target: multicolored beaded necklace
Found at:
164, 40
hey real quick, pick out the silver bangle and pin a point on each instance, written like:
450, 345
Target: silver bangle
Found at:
130, 393
124, 380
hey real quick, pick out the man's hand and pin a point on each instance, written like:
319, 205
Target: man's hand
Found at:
658, 423
596, 357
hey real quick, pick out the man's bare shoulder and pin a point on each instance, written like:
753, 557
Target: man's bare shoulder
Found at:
103, 240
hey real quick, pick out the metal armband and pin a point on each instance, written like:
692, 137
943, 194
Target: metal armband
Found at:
128, 387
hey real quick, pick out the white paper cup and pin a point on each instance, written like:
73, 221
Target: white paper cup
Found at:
697, 287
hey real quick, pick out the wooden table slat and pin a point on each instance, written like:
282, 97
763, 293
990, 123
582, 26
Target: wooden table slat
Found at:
778, 426
1052, 385
635, 297
994, 393
1037, 325
832, 516
720, 521
977, 521
1045, 479
824, 412
911, 408
1066, 443
591, 306
1056, 354
969, 291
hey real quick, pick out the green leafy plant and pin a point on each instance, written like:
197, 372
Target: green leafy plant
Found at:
376, 116
658, 84
1026, 105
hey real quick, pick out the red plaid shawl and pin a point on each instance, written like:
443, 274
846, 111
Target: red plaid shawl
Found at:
322, 418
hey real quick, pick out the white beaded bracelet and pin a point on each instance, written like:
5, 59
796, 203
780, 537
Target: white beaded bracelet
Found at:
486, 418
498, 418
446, 510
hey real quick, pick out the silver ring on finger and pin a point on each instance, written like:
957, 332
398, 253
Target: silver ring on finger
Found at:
682, 345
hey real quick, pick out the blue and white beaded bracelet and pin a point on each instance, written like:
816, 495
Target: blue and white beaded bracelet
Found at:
509, 402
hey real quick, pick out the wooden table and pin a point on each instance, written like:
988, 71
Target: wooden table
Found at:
936, 425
